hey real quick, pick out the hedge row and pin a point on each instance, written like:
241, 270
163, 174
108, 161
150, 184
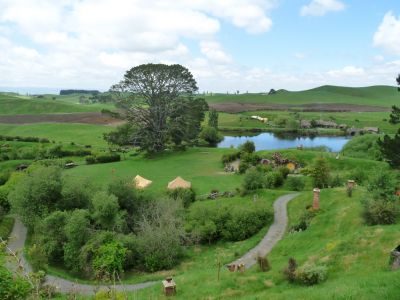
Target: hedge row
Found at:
102, 158
31, 139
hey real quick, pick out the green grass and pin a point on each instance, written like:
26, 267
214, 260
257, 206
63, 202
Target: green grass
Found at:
201, 166
356, 256
6, 225
83, 134
12, 105
385, 96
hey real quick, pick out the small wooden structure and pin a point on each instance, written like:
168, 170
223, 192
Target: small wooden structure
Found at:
316, 193
70, 165
169, 286
291, 166
265, 161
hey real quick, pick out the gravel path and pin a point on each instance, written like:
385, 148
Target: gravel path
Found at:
274, 234
16, 244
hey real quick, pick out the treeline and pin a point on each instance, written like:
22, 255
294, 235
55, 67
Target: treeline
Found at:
69, 92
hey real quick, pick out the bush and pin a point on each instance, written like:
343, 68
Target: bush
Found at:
336, 181
310, 274
253, 180
211, 135
295, 183
248, 147
243, 167
273, 180
358, 175
227, 158
380, 212
230, 223
102, 158
284, 171
320, 173
187, 196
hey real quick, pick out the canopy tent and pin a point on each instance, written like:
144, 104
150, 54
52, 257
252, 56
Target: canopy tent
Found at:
179, 182
140, 182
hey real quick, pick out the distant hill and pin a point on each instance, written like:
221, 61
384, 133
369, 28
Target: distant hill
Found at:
384, 96
14, 105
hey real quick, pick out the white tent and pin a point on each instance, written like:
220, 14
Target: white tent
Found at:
179, 182
140, 182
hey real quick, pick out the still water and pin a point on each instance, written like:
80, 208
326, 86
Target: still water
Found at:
270, 141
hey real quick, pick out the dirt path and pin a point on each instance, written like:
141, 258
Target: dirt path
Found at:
274, 234
16, 244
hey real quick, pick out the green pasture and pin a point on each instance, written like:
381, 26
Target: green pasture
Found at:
385, 96
83, 134
12, 105
201, 166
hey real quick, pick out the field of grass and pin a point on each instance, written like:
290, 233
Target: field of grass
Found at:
384, 96
11, 105
356, 257
242, 121
201, 166
83, 134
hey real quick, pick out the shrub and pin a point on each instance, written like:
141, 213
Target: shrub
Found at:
320, 173
381, 212
248, 147
273, 180
358, 175
243, 167
227, 158
310, 274
336, 181
102, 158
284, 171
253, 180
230, 223
296, 183
211, 135
187, 196
382, 185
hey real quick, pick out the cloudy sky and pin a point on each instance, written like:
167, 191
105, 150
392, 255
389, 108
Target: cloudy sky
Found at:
229, 45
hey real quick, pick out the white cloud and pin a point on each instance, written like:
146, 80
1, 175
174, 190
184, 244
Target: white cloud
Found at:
388, 34
321, 7
300, 55
347, 71
213, 51
92, 42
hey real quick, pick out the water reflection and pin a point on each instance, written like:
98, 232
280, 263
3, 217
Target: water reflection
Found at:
270, 141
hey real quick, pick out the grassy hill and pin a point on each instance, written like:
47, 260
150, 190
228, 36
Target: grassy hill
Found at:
15, 105
375, 95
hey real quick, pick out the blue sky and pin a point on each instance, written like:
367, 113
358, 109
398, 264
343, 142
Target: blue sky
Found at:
246, 45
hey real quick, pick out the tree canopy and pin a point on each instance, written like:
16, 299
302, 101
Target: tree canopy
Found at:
159, 101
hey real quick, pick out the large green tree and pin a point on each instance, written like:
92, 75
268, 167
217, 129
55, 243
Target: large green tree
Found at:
159, 101
395, 115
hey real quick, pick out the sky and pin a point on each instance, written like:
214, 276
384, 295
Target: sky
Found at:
228, 45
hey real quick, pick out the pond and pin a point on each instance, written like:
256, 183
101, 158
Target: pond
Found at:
270, 141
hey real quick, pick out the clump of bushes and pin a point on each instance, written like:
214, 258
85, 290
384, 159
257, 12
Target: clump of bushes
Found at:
382, 206
311, 274
228, 223
29, 139
102, 158
304, 221
295, 183
187, 196
227, 158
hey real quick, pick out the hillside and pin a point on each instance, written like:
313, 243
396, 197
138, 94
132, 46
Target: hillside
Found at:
15, 105
384, 96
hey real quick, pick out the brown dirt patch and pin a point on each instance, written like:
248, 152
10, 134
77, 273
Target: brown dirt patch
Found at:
233, 107
85, 118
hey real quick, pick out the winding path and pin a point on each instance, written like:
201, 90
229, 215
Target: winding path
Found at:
274, 234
